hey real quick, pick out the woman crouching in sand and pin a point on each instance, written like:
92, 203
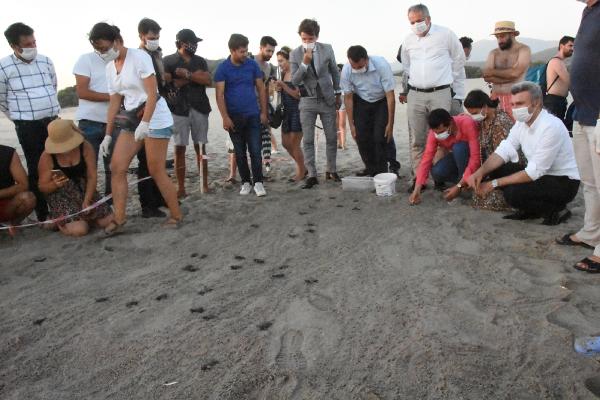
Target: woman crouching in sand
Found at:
133, 90
67, 171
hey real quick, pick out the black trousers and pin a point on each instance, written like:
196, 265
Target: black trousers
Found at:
543, 196
32, 137
370, 120
556, 105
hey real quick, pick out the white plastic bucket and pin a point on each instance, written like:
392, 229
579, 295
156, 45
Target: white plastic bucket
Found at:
357, 183
385, 184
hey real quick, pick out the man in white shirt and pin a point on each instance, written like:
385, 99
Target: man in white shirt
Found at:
434, 60
550, 180
28, 97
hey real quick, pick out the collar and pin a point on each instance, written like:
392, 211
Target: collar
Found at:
538, 120
18, 60
371, 66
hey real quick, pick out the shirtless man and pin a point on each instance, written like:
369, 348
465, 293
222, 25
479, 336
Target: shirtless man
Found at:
558, 79
507, 64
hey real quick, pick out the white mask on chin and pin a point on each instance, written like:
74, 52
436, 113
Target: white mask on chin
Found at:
110, 55
522, 114
478, 117
359, 70
442, 135
28, 53
151, 45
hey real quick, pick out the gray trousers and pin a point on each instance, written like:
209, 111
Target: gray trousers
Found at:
419, 106
309, 109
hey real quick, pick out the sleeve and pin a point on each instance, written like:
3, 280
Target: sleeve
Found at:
405, 55
258, 74
297, 68
472, 134
427, 159
82, 67
545, 153
4, 94
220, 74
145, 68
168, 64
52, 72
507, 149
345, 83
335, 72
387, 76
457, 54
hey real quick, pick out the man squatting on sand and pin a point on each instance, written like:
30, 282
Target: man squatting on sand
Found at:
535, 167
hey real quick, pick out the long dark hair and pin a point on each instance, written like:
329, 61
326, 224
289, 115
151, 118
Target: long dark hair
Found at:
478, 98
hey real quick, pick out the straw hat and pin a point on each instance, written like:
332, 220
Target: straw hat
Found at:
63, 135
505, 27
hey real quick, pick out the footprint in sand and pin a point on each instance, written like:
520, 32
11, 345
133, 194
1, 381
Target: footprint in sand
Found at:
190, 268
290, 362
320, 301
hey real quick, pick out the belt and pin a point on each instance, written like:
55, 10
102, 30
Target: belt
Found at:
430, 90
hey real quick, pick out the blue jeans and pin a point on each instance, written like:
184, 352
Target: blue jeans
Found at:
93, 132
246, 139
452, 167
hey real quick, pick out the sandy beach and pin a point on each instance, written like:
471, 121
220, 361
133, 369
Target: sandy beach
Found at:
303, 294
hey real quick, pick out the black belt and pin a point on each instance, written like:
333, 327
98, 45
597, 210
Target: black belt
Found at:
430, 90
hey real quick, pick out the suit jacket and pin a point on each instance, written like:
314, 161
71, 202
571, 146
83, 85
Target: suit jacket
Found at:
327, 74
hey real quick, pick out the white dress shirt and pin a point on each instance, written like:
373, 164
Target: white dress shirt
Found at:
436, 59
371, 85
28, 90
546, 145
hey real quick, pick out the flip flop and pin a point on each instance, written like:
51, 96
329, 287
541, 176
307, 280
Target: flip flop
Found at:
567, 241
172, 223
114, 228
588, 346
588, 265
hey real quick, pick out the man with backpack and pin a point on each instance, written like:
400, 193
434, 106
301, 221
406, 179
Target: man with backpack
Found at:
556, 85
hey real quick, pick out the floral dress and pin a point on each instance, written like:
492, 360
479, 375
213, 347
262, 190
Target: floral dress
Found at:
492, 132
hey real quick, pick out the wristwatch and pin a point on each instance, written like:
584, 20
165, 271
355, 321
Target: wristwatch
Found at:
459, 186
495, 183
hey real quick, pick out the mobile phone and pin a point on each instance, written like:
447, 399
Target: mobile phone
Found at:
57, 173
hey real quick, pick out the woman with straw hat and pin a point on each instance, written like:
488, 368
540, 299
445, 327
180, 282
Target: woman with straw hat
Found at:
67, 171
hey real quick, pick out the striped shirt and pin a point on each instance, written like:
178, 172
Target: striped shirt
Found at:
28, 90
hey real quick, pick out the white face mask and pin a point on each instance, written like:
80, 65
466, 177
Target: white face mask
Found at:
478, 117
522, 114
309, 46
442, 136
360, 70
420, 28
110, 55
151, 45
28, 53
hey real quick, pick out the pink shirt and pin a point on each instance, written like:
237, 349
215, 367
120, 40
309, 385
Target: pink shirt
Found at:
467, 131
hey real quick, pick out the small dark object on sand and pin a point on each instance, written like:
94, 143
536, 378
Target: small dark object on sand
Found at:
162, 297
209, 317
101, 299
39, 322
265, 325
278, 276
310, 281
190, 268
259, 261
209, 365
39, 259
131, 304
197, 310
235, 267
239, 257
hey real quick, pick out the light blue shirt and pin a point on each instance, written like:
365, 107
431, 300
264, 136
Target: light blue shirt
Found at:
371, 85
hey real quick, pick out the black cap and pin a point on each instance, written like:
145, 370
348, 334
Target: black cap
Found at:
187, 36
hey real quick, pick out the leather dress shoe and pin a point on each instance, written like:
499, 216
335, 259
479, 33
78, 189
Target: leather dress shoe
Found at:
332, 176
310, 182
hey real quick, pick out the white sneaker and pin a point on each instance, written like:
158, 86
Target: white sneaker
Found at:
246, 188
259, 189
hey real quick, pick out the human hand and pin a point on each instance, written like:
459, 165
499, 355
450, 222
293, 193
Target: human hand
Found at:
182, 73
353, 131
308, 56
484, 189
228, 124
402, 98
142, 131
59, 179
264, 118
474, 181
451, 193
597, 136
415, 197
389, 132
105, 146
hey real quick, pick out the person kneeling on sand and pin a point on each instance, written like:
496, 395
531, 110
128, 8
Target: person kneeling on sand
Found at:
67, 171
458, 138
550, 180
16, 202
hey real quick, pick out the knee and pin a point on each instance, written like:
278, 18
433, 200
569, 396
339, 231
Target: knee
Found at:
76, 229
26, 200
118, 169
155, 168
460, 148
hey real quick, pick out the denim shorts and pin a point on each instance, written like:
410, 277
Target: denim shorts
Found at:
163, 133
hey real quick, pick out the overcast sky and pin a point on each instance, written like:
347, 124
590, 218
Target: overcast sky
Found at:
61, 26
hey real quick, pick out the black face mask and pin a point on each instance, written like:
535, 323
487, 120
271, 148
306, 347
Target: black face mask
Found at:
190, 48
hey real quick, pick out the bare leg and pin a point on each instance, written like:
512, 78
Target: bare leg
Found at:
180, 170
342, 129
156, 151
273, 143
202, 166
75, 228
125, 149
232, 167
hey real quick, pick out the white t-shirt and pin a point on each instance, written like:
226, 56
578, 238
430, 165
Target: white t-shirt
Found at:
129, 83
92, 66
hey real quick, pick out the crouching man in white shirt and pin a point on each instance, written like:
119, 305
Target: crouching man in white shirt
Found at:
550, 180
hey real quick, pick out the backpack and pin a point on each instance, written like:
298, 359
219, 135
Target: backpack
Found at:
537, 74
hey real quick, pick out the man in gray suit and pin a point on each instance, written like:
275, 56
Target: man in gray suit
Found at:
314, 69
